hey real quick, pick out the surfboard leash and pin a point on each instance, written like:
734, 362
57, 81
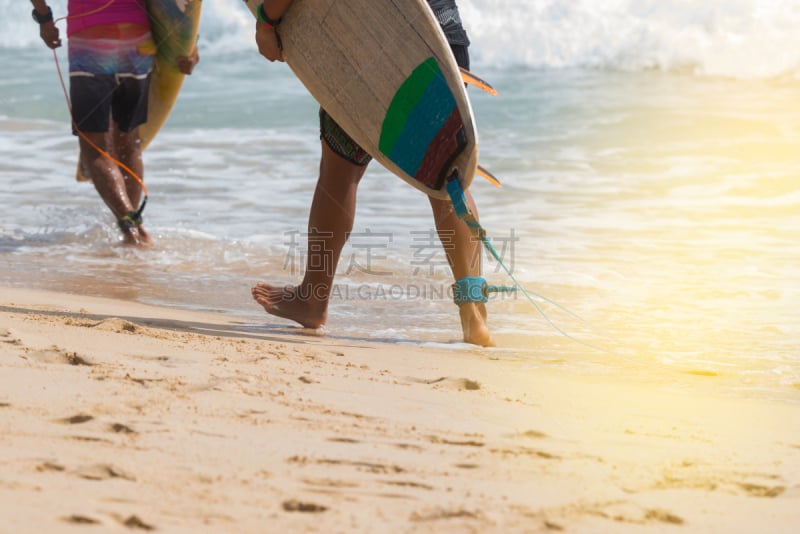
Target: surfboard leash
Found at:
133, 216
463, 211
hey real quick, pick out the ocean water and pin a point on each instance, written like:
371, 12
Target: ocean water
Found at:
650, 156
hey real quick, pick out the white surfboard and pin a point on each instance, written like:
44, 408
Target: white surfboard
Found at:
385, 72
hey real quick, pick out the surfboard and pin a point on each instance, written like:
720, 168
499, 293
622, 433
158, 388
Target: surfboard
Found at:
174, 25
384, 71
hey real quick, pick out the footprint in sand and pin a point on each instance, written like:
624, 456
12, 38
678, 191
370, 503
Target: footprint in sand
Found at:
293, 505
343, 440
458, 384
467, 466
437, 514
627, 512
102, 472
526, 451
361, 466
532, 434
57, 355
76, 419
89, 472
119, 428
407, 484
77, 519
758, 490
133, 521
7, 337
701, 477
662, 516
50, 466
459, 443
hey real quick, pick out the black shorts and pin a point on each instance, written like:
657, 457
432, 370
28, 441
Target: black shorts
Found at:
96, 99
344, 145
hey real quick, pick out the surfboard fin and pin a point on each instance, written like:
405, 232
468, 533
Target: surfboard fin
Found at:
477, 81
483, 171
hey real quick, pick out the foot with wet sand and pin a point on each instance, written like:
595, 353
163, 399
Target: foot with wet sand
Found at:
137, 237
293, 303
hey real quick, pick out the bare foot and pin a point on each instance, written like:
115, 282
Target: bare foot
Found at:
474, 325
145, 239
137, 237
289, 302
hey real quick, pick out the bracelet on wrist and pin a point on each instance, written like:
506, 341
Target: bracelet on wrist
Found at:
42, 19
263, 18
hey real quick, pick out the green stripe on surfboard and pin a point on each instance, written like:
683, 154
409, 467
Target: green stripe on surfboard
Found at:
404, 102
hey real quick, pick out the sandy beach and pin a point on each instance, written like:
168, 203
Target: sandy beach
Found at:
117, 416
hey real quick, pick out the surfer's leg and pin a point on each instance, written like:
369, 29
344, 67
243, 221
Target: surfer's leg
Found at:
329, 224
129, 105
96, 98
128, 148
464, 255
109, 183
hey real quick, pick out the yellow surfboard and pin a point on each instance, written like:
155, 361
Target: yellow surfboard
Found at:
174, 25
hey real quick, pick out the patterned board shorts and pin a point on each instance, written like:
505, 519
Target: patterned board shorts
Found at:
109, 78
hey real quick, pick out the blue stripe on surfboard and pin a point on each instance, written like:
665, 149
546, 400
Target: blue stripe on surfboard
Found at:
422, 125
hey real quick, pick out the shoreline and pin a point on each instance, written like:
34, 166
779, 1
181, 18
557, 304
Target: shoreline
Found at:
116, 413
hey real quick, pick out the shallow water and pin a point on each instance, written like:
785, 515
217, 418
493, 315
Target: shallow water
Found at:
661, 206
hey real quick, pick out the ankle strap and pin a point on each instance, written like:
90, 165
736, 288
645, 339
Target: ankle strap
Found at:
130, 220
475, 289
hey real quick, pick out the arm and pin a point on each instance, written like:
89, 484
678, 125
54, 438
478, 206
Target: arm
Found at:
47, 30
266, 38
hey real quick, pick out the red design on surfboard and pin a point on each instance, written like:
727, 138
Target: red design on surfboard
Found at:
444, 148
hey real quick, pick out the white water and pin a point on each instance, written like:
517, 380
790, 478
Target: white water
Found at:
731, 38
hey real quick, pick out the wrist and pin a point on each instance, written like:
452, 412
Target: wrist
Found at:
43, 18
265, 19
